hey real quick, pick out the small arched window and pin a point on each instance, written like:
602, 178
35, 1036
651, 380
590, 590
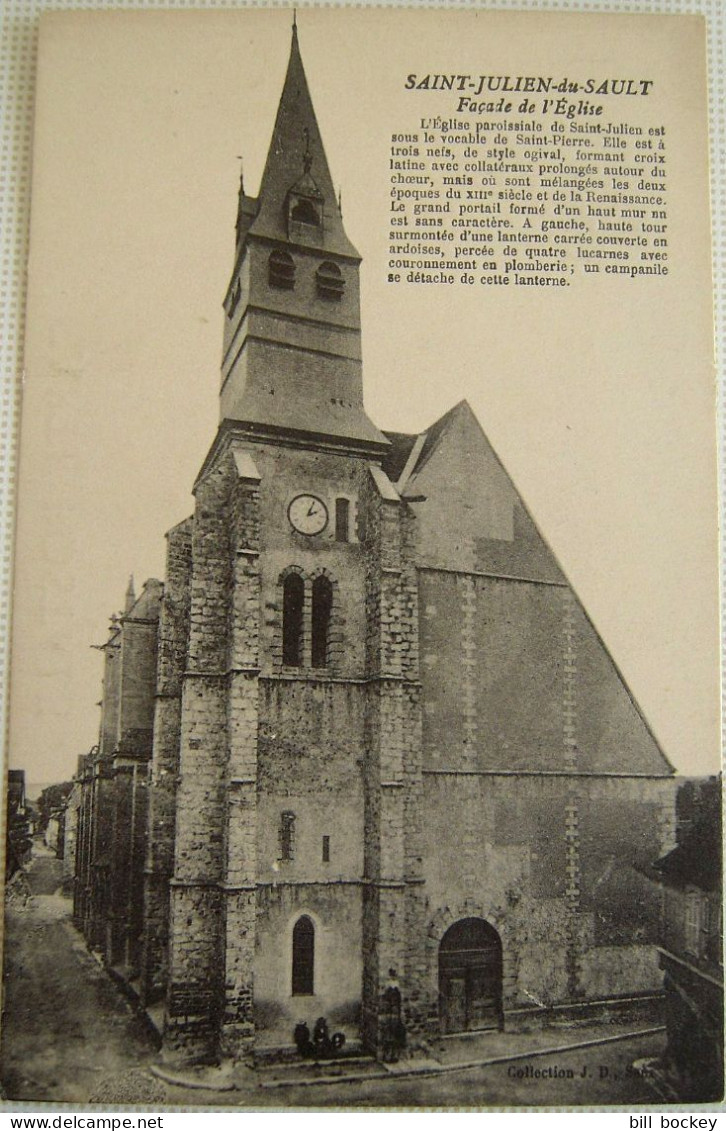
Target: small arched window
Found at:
322, 608
329, 282
303, 956
287, 835
293, 600
281, 270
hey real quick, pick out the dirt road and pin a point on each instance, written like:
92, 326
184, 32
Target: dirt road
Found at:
67, 1032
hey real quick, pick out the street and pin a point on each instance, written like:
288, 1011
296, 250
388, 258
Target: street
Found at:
69, 1035
66, 1029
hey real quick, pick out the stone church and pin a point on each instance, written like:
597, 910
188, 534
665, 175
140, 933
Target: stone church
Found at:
365, 724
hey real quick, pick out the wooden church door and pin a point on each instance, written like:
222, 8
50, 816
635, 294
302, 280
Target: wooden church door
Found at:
470, 977
455, 1004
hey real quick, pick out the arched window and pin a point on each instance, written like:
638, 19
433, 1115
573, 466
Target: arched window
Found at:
329, 282
305, 212
287, 835
342, 520
281, 270
293, 597
322, 608
303, 956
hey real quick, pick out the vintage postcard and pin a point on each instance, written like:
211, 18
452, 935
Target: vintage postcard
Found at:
365, 699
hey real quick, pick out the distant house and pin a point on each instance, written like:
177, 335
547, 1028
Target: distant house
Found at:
691, 950
16, 789
54, 830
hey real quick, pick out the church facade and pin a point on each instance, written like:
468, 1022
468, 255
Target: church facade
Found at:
380, 732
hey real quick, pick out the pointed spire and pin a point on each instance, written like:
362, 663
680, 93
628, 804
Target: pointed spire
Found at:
296, 209
130, 595
296, 161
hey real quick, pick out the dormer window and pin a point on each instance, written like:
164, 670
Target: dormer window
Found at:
281, 270
329, 282
305, 212
234, 299
304, 205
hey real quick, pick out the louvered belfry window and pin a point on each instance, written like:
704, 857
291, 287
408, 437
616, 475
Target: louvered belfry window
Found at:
281, 270
329, 282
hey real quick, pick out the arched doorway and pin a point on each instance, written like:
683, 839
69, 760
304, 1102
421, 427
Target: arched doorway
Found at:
470, 977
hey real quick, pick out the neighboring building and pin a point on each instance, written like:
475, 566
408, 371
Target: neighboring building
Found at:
691, 951
51, 814
111, 836
53, 832
17, 801
18, 834
386, 735
70, 827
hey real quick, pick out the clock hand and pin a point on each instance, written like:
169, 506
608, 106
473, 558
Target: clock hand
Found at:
312, 510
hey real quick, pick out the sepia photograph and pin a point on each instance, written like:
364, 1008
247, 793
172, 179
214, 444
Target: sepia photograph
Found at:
364, 742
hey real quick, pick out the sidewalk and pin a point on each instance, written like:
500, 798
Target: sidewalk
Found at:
447, 1055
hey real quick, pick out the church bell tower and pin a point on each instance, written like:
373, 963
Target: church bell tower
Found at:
292, 339
300, 602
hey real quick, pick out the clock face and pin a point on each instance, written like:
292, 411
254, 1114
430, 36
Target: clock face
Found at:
308, 514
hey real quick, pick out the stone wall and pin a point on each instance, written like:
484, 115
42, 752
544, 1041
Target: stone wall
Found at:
112, 826
335, 910
195, 998
172, 648
546, 794
135, 668
393, 922
544, 860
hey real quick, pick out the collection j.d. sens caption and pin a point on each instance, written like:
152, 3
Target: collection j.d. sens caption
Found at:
523, 191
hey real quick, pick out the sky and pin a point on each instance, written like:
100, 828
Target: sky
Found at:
599, 399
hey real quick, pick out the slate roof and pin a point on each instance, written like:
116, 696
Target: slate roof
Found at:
296, 158
402, 445
395, 458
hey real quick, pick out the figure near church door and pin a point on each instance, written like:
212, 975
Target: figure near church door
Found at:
393, 1030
